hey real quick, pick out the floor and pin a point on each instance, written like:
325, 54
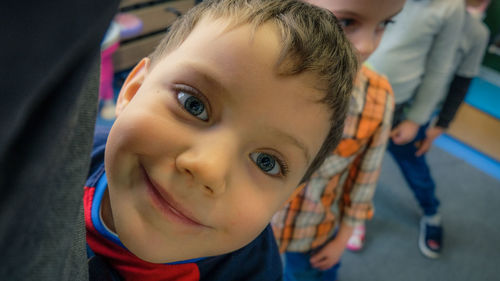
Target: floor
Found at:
484, 94
470, 204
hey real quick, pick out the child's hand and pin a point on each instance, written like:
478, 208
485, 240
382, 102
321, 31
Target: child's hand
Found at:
329, 255
405, 132
430, 135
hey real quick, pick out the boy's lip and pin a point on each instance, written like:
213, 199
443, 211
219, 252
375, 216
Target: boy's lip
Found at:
167, 205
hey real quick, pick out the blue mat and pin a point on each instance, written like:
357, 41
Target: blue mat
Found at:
475, 158
485, 97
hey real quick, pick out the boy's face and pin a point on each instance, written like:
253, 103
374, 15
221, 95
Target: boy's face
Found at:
364, 21
208, 144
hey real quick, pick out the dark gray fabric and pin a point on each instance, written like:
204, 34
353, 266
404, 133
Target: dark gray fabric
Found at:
46, 120
454, 98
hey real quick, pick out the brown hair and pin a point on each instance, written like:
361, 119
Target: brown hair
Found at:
312, 40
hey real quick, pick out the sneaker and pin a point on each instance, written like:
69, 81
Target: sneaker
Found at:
431, 236
356, 241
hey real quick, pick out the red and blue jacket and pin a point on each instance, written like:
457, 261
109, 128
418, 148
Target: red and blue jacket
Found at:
257, 261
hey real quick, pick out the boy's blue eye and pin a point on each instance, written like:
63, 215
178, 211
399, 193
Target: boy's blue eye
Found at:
267, 163
193, 105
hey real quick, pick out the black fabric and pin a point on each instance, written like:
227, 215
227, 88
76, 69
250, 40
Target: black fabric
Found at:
46, 119
456, 95
257, 261
99, 270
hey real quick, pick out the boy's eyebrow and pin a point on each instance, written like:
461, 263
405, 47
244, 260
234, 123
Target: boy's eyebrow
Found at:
294, 141
207, 79
349, 13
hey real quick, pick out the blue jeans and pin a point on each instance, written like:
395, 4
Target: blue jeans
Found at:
298, 268
416, 172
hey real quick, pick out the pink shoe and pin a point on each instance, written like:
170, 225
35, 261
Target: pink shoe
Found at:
357, 239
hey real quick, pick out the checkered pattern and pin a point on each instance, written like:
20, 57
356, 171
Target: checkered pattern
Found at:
342, 188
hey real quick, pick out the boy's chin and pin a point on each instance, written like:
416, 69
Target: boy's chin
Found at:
152, 255
159, 258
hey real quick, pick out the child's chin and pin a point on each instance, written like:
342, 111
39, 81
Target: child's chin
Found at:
155, 259
147, 256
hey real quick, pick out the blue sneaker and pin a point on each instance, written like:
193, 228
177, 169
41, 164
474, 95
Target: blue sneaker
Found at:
431, 236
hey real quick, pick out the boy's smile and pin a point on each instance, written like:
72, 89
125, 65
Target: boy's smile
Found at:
209, 142
168, 206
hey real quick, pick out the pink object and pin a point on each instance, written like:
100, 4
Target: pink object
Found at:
108, 46
130, 25
357, 239
123, 26
107, 72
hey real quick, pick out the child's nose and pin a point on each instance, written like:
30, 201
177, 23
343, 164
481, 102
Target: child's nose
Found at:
366, 47
366, 43
208, 162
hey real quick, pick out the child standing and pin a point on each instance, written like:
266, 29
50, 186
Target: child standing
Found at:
208, 144
314, 228
466, 63
417, 56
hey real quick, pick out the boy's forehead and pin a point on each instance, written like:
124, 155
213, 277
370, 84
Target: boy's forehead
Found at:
218, 45
211, 28
270, 39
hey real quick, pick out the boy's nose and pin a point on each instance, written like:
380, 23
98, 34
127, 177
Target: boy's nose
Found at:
366, 47
208, 162
366, 44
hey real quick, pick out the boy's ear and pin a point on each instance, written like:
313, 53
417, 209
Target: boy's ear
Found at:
133, 82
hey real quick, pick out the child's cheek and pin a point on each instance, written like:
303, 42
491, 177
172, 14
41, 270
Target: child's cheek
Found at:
249, 218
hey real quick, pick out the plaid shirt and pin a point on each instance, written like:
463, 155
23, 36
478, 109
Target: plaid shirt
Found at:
342, 188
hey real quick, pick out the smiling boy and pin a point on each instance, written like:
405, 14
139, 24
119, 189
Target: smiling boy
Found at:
238, 105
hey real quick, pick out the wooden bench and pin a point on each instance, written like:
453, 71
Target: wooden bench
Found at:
156, 16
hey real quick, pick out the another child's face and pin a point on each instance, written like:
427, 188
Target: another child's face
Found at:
209, 143
364, 21
474, 3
